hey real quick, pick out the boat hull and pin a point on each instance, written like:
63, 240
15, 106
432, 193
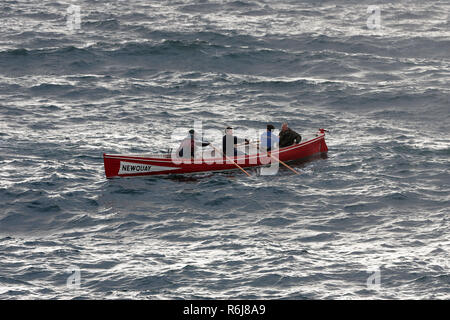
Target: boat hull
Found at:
141, 165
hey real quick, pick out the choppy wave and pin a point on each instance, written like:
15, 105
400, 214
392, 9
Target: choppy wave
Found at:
137, 71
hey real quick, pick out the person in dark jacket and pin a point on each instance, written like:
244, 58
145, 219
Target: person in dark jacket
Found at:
229, 143
288, 136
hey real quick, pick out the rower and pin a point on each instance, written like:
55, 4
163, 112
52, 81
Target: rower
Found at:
229, 143
288, 136
268, 139
187, 146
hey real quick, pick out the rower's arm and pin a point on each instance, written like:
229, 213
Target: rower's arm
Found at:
202, 143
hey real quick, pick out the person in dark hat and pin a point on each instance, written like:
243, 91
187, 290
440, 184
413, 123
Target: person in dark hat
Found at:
187, 146
268, 140
288, 136
229, 143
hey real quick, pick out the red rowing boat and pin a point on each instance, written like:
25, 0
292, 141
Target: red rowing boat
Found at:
118, 165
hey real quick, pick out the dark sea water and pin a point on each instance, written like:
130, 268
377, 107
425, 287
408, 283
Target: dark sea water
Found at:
137, 70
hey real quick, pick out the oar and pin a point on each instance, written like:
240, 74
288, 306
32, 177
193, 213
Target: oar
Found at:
228, 158
284, 164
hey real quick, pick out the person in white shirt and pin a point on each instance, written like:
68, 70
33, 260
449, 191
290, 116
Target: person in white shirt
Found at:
187, 146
